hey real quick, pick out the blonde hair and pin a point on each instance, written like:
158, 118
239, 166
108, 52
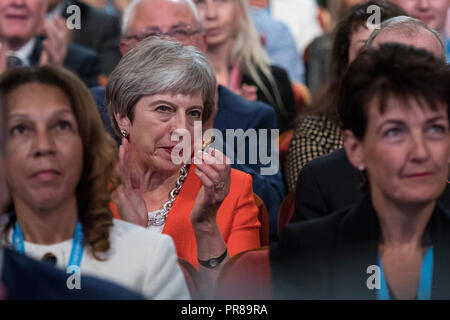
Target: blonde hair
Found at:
248, 52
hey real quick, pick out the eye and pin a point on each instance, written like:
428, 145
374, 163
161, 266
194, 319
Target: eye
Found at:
163, 108
179, 33
393, 132
195, 114
437, 129
17, 130
63, 125
199, 2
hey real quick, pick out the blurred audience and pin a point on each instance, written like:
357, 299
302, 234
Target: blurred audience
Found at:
60, 164
317, 131
240, 61
432, 12
394, 107
301, 16
278, 43
28, 39
98, 31
318, 52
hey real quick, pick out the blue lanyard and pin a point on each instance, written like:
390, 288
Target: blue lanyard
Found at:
426, 279
77, 247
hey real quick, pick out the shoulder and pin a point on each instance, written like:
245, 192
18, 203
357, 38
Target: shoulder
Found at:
124, 235
242, 105
236, 107
318, 127
320, 232
76, 50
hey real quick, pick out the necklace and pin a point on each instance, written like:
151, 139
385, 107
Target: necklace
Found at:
160, 218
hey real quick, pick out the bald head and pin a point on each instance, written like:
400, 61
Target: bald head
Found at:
408, 31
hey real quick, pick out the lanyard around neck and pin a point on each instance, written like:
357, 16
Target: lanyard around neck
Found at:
426, 279
77, 246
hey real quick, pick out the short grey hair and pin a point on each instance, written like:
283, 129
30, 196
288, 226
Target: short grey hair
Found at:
129, 12
406, 25
157, 66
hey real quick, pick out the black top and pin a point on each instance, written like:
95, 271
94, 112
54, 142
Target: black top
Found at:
327, 258
330, 183
286, 113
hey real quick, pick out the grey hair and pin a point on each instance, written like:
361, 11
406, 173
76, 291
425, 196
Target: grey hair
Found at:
129, 12
157, 66
406, 25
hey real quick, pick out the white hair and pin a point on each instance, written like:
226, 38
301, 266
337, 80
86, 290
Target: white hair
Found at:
129, 13
407, 25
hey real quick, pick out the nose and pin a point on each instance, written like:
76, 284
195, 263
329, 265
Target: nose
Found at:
419, 148
18, 2
423, 4
179, 125
43, 144
210, 9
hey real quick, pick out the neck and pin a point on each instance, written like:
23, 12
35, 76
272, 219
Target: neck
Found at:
47, 226
402, 225
154, 186
220, 58
13, 44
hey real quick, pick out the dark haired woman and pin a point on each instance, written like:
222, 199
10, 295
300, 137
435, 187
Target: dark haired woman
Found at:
394, 106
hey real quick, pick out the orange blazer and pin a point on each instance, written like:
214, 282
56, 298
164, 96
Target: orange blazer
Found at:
237, 217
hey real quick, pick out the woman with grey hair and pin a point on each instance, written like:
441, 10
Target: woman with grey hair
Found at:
158, 92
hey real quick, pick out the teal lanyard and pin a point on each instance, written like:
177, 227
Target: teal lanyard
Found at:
77, 247
426, 279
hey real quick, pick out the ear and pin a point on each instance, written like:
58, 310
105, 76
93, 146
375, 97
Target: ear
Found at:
204, 43
124, 46
353, 149
123, 122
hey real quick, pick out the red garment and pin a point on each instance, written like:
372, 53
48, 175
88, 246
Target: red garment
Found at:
237, 217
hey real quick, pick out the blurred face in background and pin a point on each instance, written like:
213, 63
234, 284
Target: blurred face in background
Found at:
153, 17
220, 20
20, 20
432, 12
357, 41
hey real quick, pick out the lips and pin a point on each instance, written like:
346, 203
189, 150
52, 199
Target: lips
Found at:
21, 16
46, 174
212, 31
419, 175
169, 150
425, 18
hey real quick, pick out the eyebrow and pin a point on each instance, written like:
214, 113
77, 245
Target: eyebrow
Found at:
157, 102
402, 123
24, 115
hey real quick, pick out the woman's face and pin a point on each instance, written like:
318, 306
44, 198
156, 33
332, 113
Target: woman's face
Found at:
220, 19
44, 147
406, 152
156, 117
357, 41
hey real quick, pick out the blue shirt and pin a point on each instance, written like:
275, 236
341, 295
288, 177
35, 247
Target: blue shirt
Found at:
279, 44
447, 46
